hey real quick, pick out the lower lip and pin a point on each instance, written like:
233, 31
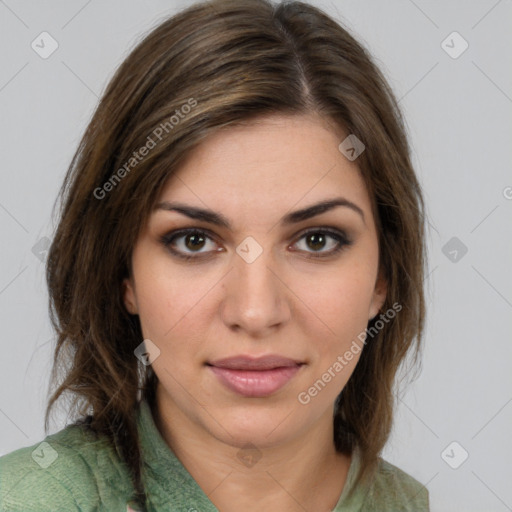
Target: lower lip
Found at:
253, 383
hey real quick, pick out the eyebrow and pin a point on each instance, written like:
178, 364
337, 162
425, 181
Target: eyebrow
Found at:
218, 219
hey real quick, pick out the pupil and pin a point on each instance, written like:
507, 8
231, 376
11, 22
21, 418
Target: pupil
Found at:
318, 241
197, 241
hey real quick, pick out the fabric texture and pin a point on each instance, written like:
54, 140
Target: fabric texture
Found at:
73, 471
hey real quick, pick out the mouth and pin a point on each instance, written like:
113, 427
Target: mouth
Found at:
255, 377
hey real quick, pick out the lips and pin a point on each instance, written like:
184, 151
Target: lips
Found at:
255, 377
251, 363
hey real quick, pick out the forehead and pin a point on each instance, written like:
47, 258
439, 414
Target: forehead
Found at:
275, 163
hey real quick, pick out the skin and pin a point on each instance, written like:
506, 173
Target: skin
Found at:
281, 303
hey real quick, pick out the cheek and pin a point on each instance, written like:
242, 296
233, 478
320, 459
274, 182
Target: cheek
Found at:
173, 307
156, 298
162, 296
336, 304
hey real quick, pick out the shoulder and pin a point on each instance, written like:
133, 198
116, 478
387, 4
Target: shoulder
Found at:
393, 489
71, 470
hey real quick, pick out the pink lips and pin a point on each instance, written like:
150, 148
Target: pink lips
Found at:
255, 377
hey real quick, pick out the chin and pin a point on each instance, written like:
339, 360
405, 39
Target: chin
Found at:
263, 427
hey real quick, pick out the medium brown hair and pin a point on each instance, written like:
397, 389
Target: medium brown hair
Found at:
231, 62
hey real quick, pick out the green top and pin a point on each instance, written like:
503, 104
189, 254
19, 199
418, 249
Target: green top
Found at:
72, 471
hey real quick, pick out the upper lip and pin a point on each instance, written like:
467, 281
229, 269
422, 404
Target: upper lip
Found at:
254, 363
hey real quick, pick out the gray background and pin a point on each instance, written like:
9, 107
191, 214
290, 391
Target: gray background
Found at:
459, 115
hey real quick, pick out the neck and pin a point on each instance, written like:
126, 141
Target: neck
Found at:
304, 473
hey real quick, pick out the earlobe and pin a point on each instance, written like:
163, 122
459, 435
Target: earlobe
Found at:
379, 297
129, 297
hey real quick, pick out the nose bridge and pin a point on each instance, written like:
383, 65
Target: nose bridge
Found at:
255, 298
253, 272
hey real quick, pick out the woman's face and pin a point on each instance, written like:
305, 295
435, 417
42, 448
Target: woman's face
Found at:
264, 275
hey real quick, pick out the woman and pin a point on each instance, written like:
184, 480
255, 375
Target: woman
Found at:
236, 276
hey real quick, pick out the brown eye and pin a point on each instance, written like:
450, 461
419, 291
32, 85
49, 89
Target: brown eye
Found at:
314, 242
189, 243
194, 241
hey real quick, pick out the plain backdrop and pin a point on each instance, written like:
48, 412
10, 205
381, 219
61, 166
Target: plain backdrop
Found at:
453, 424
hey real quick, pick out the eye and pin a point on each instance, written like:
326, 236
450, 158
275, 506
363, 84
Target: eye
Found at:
321, 238
188, 242
197, 243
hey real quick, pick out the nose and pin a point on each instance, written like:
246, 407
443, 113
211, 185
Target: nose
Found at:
255, 299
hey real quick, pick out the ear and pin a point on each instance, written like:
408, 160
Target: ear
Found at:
379, 296
129, 298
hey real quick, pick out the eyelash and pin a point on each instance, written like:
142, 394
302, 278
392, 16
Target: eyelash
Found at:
339, 236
